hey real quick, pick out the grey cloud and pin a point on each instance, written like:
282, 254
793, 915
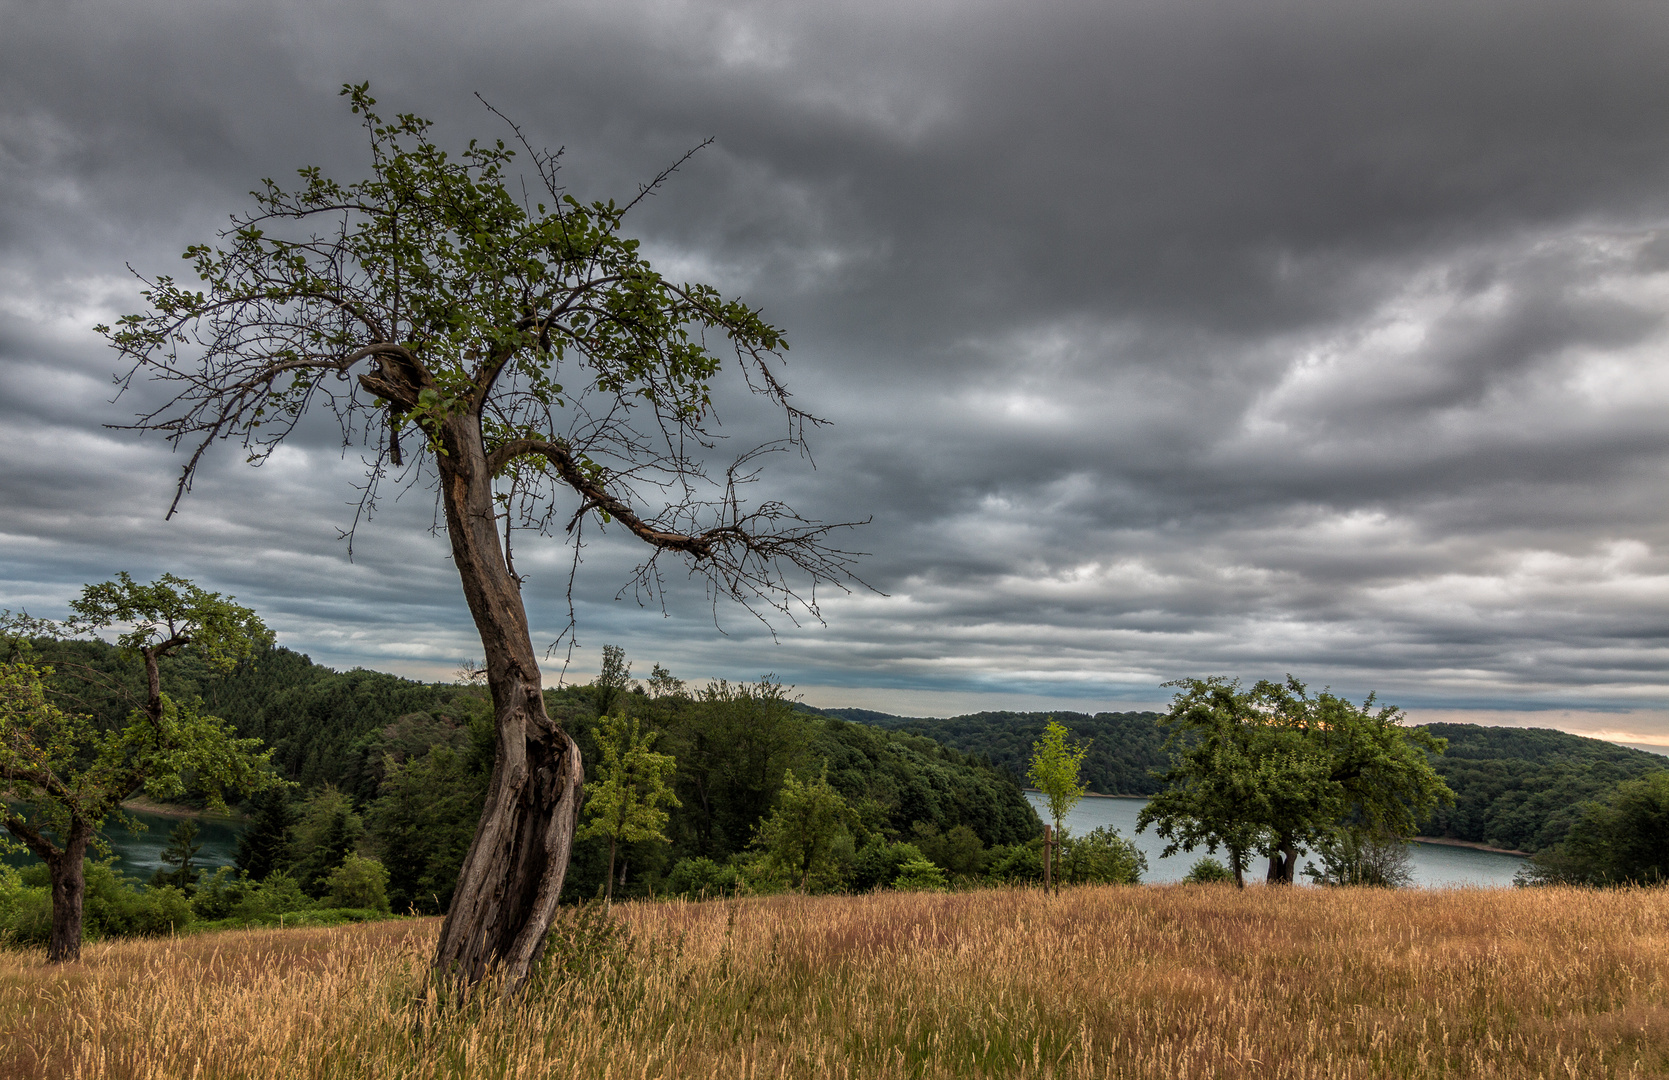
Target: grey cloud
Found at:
1161, 338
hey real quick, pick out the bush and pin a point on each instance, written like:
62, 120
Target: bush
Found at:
217, 895
1101, 857
1016, 864
358, 883
699, 878
279, 894
877, 865
919, 875
1359, 858
1207, 871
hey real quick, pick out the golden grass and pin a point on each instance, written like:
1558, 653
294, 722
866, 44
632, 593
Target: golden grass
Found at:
1123, 982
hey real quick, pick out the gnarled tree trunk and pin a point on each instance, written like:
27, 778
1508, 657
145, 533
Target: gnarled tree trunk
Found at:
512, 877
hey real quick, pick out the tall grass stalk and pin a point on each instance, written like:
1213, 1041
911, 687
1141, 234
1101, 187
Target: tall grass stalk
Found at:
1102, 982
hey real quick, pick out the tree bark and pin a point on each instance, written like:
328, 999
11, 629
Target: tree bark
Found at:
69, 893
1238, 859
512, 877
1283, 864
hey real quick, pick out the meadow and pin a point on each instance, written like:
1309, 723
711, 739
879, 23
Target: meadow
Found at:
1157, 981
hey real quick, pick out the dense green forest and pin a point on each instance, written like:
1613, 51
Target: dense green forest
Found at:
397, 769
1523, 788
1519, 788
1125, 750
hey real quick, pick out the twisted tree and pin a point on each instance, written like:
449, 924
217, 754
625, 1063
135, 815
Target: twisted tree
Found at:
522, 356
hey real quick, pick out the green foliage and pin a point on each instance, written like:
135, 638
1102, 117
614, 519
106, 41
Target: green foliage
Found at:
264, 845
612, 681
1274, 769
423, 821
1054, 770
327, 832
629, 800
113, 906
1621, 839
1101, 857
877, 864
171, 615
960, 851
1523, 788
805, 833
182, 848
1126, 750
359, 882
1207, 871
920, 875
702, 879
1016, 864
1355, 856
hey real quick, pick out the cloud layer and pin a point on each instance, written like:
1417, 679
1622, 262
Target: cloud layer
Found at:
1160, 339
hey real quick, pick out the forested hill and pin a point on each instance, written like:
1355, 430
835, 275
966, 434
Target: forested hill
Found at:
1125, 748
1523, 787
1514, 787
399, 768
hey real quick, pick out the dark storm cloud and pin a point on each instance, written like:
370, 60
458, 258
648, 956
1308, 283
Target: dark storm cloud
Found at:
1160, 338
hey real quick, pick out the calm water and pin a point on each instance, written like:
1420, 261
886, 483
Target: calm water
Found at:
140, 855
1434, 865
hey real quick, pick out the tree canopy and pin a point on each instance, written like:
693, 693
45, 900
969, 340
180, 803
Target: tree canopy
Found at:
1276, 769
67, 773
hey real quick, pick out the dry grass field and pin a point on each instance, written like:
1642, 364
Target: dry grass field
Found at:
1122, 982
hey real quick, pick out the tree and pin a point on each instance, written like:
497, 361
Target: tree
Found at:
612, 681
1054, 769
527, 358
66, 776
801, 834
263, 848
628, 803
1620, 839
1274, 770
182, 848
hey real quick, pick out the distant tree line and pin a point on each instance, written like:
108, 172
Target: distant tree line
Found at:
1519, 789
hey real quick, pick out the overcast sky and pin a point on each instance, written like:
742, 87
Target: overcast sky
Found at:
1159, 339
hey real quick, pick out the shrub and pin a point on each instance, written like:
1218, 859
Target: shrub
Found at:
702, 877
1353, 857
1207, 871
919, 875
1016, 864
878, 863
358, 883
1101, 857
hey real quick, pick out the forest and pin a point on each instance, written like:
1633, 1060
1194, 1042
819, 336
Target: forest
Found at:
1515, 788
396, 770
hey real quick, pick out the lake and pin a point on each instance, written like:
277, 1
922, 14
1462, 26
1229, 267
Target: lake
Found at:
140, 855
1435, 866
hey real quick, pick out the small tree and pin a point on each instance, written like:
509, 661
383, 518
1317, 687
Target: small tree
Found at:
67, 777
1054, 769
801, 834
628, 804
612, 681
182, 848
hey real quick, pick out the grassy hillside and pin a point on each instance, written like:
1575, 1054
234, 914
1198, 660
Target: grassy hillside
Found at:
1101, 982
